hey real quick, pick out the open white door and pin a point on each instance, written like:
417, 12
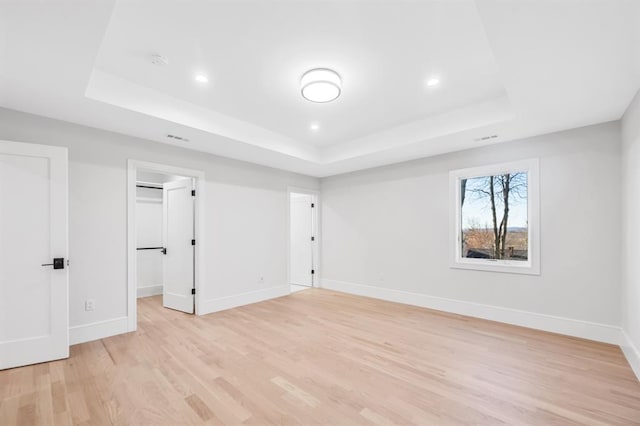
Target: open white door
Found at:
301, 244
34, 319
177, 236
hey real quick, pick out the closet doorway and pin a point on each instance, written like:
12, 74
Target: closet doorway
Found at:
164, 238
303, 239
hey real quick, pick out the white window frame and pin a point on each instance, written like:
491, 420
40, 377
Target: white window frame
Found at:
532, 265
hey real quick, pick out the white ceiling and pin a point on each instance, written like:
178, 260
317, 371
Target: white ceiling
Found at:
511, 68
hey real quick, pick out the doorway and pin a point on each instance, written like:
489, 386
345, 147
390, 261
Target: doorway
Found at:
164, 236
303, 239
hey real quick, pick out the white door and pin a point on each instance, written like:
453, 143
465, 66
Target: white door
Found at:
301, 245
34, 320
177, 236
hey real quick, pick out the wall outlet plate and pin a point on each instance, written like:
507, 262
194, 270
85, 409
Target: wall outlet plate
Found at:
89, 305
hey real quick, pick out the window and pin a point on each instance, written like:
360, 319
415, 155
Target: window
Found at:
495, 224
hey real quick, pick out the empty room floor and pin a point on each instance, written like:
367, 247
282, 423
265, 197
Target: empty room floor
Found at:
320, 357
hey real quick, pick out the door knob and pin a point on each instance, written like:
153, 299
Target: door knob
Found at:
58, 263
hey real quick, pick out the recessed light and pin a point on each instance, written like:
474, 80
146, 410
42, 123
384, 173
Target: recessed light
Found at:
314, 126
320, 85
201, 78
433, 81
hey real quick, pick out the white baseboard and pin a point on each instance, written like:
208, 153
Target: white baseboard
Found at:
567, 326
228, 302
152, 290
632, 353
97, 330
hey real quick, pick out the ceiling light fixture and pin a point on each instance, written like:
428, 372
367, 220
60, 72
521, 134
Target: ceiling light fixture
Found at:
201, 78
314, 127
320, 85
432, 82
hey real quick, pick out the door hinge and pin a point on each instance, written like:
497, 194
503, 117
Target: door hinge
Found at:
313, 271
193, 291
193, 242
313, 238
313, 205
193, 192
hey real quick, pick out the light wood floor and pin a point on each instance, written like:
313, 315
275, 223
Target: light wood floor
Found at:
319, 357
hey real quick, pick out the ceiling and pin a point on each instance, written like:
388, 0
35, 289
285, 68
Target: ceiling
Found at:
508, 68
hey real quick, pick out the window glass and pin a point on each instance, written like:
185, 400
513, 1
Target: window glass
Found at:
494, 222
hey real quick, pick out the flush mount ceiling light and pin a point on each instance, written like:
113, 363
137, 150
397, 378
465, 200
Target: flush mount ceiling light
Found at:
314, 126
201, 78
320, 85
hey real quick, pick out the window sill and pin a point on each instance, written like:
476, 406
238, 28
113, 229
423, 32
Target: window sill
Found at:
502, 266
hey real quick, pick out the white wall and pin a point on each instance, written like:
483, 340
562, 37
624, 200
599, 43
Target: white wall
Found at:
149, 234
386, 234
245, 227
631, 235
386, 228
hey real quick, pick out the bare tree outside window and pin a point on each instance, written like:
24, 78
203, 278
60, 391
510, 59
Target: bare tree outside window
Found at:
494, 217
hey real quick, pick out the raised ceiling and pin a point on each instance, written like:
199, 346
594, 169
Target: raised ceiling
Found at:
508, 68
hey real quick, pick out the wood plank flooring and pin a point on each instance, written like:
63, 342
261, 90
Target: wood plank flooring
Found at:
320, 357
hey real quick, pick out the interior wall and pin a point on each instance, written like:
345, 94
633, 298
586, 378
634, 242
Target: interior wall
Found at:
149, 234
631, 235
386, 233
245, 207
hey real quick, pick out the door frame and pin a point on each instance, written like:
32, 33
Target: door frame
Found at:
132, 168
315, 218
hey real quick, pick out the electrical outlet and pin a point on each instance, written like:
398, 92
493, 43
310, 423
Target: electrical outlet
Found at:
89, 305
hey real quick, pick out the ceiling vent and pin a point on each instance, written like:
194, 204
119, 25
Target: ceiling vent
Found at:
178, 138
159, 60
485, 138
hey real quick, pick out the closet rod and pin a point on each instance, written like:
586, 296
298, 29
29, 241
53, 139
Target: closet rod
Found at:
146, 186
149, 248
